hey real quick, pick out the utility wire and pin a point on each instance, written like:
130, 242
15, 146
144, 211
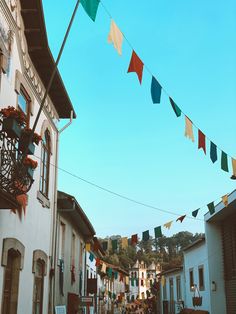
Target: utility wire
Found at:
123, 196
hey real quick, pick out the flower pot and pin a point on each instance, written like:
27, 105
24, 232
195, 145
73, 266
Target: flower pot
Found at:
11, 127
197, 301
24, 141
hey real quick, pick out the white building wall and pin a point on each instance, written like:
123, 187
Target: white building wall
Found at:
34, 231
216, 268
166, 287
193, 258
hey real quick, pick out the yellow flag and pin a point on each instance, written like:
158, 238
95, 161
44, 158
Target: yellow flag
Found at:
234, 166
116, 37
168, 224
127, 280
104, 268
189, 129
88, 247
225, 200
124, 243
163, 281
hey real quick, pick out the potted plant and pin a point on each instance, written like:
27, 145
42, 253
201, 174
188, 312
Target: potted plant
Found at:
13, 121
197, 299
31, 165
25, 141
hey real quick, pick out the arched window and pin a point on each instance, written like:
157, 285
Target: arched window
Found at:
45, 164
11, 282
38, 287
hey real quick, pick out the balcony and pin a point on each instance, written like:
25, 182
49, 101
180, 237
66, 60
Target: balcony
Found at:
16, 175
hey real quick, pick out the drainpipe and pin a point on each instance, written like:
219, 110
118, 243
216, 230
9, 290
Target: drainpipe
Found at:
55, 222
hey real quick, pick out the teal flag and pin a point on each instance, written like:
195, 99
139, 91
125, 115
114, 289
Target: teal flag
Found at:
224, 162
109, 272
175, 107
146, 235
195, 212
211, 207
155, 91
91, 257
115, 274
91, 7
158, 232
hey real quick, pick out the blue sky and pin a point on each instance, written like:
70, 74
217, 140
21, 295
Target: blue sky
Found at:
120, 140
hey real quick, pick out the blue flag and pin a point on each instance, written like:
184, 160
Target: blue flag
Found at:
156, 91
213, 152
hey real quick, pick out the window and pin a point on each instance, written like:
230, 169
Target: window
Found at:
164, 292
38, 287
191, 279
11, 282
62, 241
24, 104
201, 277
141, 282
45, 163
178, 288
142, 275
73, 240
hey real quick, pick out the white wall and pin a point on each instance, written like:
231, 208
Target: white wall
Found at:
216, 268
193, 258
34, 231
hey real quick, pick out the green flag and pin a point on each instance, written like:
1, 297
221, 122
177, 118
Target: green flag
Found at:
158, 232
211, 207
195, 212
146, 235
91, 7
176, 109
109, 272
224, 162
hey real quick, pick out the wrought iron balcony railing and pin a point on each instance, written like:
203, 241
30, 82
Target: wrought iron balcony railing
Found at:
16, 178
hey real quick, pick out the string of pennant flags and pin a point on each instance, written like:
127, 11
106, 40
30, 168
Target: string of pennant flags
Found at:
116, 37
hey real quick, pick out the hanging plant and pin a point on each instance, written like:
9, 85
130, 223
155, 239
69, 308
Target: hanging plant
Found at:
13, 121
30, 163
36, 138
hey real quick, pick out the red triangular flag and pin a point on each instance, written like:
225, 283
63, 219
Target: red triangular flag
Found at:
201, 141
121, 277
97, 262
181, 218
136, 65
134, 239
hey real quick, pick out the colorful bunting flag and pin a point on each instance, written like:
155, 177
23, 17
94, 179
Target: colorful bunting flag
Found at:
98, 262
91, 7
105, 245
181, 218
104, 268
195, 212
163, 281
136, 65
109, 272
201, 141
157, 232
114, 244
124, 243
134, 239
168, 224
155, 91
127, 280
225, 200
189, 129
213, 152
115, 274
116, 37
146, 235
121, 277
88, 247
211, 207
224, 161
234, 167
175, 107
91, 257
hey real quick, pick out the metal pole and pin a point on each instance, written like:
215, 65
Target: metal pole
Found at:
52, 75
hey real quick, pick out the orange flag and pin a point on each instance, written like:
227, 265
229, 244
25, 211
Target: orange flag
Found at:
168, 224
189, 129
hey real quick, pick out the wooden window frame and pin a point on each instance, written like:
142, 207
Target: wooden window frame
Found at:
44, 179
191, 279
178, 288
201, 284
24, 93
